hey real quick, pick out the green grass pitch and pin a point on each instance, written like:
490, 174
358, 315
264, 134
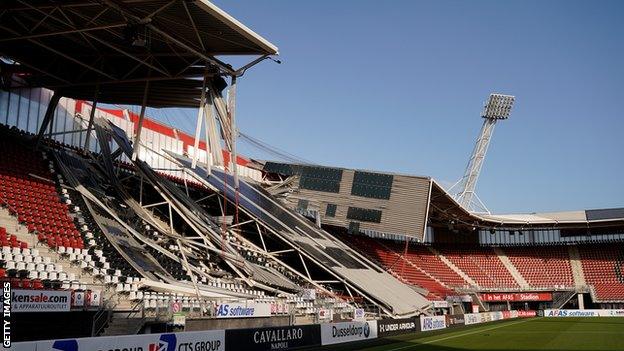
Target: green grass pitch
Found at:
599, 333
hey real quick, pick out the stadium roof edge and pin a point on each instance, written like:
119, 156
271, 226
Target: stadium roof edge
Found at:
546, 218
270, 48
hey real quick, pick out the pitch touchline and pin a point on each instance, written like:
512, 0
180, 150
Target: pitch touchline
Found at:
562, 332
459, 335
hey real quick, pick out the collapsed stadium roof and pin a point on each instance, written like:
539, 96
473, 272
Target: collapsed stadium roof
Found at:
117, 45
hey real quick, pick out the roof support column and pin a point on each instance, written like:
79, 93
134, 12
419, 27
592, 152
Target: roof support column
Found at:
200, 117
91, 117
49, 115
233, 132
207, 107
216, 151
137, 139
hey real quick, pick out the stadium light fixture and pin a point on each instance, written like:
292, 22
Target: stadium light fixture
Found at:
498, 106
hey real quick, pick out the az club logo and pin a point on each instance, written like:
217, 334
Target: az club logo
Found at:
65, 345
366, 330
167, 342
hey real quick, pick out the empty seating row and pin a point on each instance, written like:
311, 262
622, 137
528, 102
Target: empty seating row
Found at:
542, 267
481, 264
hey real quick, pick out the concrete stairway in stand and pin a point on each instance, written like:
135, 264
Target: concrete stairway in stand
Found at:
121, 324
577, 267
511, 268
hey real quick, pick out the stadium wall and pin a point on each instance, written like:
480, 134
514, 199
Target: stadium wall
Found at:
258, 322
271, 338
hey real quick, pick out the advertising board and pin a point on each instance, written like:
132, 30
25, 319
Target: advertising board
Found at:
93, 298
213, 340
455, 320
77, 298
428, 323
583, 313
472, 318
496, 316
390, 327
498, 297
40, 301
485, 317
524, 314
242, 309
336, 333
279, 308
274, 338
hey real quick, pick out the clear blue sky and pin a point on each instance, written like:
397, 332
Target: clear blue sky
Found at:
398, 86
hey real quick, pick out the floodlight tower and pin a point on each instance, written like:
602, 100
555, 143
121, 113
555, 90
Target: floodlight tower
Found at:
497, 107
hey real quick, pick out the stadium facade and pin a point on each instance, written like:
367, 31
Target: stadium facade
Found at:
132, 225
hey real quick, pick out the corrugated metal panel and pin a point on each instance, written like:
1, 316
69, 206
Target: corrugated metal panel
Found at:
608, 213
403, 213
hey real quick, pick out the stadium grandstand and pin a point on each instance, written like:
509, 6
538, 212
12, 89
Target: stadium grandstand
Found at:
119, 229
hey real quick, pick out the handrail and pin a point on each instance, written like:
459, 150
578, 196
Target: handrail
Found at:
105, 311
105, 315
96, 326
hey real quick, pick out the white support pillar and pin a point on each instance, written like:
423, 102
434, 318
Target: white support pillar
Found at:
581, 301
207, 107
211, 127
137, 139
200, 118
233, 131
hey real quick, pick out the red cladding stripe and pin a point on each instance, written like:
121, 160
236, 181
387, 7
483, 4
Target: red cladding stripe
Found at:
163, 129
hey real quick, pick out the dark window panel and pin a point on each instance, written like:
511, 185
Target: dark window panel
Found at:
331, 210
364, 214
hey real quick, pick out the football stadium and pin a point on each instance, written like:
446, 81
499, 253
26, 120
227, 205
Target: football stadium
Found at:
121, 232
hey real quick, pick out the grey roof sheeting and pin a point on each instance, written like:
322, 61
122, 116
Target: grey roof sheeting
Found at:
605, 214
74, 45
441, 200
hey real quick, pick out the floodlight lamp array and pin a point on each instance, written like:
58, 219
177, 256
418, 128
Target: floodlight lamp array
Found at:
498, 106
